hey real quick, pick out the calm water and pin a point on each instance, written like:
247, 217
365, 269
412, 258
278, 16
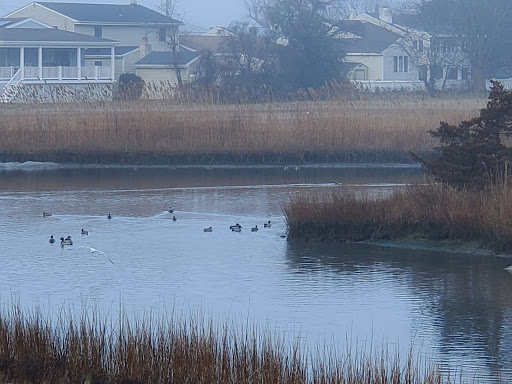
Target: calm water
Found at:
454, 308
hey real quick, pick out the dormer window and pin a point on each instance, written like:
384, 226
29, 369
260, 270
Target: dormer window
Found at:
162, 35
98, 32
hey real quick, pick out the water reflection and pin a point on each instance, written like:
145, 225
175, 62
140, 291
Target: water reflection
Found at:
463, 300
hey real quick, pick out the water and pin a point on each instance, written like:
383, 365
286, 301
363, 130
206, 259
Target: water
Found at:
455, 308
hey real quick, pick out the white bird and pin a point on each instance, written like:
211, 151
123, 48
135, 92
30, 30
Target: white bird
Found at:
93, 250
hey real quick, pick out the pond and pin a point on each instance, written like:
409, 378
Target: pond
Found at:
454, 308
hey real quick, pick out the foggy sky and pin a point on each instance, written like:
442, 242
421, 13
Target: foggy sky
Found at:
205, 13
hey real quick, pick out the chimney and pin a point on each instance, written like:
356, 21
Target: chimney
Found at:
133, 2
144, 47
386, 15
352, 14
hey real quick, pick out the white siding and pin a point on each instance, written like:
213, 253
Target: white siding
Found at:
390, 74
37, 12
373, 62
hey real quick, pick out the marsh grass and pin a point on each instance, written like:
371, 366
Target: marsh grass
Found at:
160, 132
90, 349
433, 211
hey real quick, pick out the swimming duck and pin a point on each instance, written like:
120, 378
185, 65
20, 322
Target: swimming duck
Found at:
174, 218
268, 224
255, 229
109, 216
51, 240
171, 210
508, 268
84, 232
234, 227
66, 241
209, 229
46, 214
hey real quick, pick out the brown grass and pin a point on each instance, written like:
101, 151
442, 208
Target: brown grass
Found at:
434, 211
33, 348
160, 132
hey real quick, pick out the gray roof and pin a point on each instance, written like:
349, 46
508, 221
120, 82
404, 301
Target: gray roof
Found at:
109, 13
372, 38
118, 51
166, 58
49, 35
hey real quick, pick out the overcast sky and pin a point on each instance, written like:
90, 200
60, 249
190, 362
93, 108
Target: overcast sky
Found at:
206, 13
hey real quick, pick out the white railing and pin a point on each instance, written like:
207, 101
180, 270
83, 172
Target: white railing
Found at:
56, 73
390, 84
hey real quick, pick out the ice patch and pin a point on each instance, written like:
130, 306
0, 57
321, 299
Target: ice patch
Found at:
28, 166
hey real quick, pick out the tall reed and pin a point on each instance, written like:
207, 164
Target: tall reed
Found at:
160, 132
434, 211
91, 349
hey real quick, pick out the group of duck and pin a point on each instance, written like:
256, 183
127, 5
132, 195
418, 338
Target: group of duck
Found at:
235, 228
67, 240
238, 228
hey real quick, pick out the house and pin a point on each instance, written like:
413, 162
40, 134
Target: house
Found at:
35, 54
138, 30
439, 57
375, 56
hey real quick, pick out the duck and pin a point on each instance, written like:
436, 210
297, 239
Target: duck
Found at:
234, 227
508, 268
209, 229
84, 232
255, 229
51, 240
268, 224
46, 214
171, 210
174, 218
109, 216
66, 241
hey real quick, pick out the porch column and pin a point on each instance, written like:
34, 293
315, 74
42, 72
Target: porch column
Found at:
22, 62
112, 63
40, 62
79, 62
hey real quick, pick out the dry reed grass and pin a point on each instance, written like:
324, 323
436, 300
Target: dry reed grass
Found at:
33, 348
434, 211
161, 132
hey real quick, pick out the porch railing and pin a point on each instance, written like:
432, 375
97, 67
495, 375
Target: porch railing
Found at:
57, 73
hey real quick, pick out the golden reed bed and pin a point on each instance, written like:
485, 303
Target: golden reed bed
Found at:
156, 131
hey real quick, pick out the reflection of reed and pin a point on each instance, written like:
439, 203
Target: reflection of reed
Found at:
92, 349
157, 132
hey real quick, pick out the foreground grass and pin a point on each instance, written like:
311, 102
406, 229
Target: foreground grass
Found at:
33, 348
433, 211
156, 132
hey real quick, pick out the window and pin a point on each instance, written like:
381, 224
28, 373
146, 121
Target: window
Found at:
401, 64
418, 45
98, 63
162, 35
452, 74
465, 73
98, 31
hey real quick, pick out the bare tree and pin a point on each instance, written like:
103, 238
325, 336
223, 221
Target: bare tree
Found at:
171, 36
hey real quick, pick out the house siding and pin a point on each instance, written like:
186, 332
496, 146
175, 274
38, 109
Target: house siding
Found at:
125, 35
373, 62
389, 73
157, 75
35, 11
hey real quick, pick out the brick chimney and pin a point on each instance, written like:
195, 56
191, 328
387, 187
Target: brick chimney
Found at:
144, 47
386, 15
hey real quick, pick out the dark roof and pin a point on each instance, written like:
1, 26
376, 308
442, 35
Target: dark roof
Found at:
109, 13
48, 35
118, 51
165, 58
372, 38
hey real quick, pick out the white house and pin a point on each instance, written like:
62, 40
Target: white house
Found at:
33, 53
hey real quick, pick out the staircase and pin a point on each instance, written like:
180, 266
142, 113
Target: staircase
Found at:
12, 88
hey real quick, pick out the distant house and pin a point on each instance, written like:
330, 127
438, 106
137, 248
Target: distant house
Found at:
375, 56
433, 56
33, 53
138, 30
